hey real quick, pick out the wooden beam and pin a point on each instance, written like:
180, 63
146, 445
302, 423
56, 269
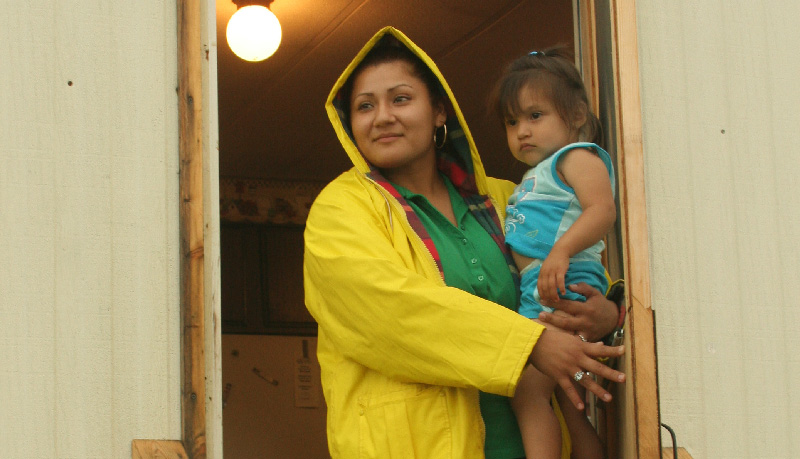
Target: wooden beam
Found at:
157, 449
641, 426
190, 91
588, 51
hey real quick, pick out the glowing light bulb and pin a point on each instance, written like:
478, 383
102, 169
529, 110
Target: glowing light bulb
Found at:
254, 33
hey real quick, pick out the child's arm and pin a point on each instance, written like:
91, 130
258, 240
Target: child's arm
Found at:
586, 173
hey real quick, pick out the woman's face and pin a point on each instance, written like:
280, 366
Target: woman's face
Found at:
393, 119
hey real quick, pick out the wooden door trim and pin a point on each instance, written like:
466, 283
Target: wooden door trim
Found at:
192, 223
639, 414
641, 423
192, 244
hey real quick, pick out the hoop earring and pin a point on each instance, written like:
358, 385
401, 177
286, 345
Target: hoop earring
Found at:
444, 137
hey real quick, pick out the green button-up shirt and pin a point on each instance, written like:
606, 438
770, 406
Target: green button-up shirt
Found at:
472, 262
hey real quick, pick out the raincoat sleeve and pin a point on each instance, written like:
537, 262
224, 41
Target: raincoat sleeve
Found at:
377, 302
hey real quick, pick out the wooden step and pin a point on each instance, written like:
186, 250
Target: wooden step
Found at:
667, 453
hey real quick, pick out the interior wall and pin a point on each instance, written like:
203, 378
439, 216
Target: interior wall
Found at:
720, 96
272, 399
89, 304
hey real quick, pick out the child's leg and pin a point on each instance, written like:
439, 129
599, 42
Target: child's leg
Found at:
541, 432
585, 442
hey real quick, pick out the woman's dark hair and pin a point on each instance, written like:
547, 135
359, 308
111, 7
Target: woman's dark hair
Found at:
552, 72
390, 49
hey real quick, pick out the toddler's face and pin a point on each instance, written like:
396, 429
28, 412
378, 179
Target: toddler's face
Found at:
538, 130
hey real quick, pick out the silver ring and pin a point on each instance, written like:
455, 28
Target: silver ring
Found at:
581, 337
578, 376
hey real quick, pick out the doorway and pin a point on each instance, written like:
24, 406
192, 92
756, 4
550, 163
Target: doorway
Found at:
276, 150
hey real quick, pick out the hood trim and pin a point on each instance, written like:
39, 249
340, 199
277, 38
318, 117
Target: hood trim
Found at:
347, 142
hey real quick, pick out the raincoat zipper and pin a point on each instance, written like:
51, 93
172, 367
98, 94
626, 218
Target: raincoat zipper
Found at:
416, 240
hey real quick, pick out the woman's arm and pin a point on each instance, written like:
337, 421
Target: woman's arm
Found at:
365, 289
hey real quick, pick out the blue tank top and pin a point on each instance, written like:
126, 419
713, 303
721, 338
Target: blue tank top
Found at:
542, 208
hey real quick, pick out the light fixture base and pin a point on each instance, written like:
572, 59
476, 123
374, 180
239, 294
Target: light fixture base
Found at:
243, 3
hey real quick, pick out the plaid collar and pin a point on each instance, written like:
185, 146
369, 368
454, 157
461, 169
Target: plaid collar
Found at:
480, 206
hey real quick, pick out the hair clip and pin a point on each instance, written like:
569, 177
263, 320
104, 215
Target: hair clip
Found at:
537, 53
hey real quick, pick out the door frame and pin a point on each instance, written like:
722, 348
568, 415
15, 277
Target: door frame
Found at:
201, 407
610, 26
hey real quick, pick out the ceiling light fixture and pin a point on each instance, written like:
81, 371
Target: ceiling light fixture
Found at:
253, 32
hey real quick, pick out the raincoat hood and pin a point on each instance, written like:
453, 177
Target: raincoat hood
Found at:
459, 161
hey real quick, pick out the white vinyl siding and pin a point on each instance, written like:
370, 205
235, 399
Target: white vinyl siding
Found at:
721, 114
89, 265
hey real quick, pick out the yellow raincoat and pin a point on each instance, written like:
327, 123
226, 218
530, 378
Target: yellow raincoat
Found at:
403, 356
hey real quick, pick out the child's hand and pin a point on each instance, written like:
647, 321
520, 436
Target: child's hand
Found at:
551, 276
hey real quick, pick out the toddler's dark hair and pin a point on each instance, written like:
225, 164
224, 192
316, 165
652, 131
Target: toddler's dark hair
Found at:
551, 71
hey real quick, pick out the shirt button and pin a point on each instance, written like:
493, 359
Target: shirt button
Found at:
464, 241
474, 260
463, 227
480, 278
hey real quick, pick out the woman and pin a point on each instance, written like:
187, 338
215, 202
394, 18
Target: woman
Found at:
407, 274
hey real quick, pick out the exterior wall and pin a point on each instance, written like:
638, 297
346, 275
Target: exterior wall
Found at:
720, 112
89, 284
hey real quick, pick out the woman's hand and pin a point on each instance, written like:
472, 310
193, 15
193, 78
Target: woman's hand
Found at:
593, 320
567, 359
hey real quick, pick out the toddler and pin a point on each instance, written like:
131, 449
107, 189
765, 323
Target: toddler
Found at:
555, 222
